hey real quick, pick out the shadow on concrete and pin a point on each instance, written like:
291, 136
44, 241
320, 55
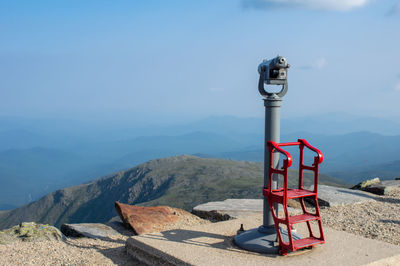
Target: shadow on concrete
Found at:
390, 221
198, 238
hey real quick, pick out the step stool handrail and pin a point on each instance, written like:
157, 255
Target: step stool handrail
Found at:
272, 145
317, 159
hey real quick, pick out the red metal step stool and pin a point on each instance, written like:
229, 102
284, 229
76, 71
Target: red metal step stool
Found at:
282, 194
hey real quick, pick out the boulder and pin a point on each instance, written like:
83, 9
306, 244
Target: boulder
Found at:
30, 232
366, 183
378, 188
144, 220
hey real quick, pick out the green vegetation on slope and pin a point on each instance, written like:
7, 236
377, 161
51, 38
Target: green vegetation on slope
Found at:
181, 181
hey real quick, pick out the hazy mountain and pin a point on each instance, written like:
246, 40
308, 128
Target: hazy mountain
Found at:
51, 154
350, 157
38, 170
182, 181
28, 174
341, 123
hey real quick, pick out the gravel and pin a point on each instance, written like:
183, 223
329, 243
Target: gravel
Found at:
379, 219
78, 251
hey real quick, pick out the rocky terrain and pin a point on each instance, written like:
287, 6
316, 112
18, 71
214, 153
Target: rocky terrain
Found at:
376, 219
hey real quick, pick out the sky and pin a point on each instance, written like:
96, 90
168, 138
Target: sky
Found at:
177, 60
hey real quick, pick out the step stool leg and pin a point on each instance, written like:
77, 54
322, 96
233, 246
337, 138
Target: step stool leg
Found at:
303, 207
282, 251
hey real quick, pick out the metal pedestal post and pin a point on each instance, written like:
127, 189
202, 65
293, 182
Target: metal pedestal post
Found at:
264, 239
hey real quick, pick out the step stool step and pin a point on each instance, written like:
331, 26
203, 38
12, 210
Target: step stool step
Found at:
306, 242
302, 218
294, 193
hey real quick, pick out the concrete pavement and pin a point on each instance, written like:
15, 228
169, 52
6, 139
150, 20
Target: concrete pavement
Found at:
211, 244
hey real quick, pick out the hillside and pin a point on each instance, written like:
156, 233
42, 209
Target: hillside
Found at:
181, 181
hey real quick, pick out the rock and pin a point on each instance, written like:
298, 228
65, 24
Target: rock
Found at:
334, 196
216, 211
366, 183
30, 232
91, 230
379, 188
144, 220
397, 178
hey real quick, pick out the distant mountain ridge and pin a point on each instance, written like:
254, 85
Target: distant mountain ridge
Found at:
42, 156
180, 181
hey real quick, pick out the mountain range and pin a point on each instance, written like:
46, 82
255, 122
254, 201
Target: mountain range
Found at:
179, 181
38, 157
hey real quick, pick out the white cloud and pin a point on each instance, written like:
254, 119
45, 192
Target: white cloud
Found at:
397, 87
320, 63
334, 5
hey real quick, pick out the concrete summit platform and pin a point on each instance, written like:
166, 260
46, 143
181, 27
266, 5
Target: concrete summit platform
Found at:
211, 244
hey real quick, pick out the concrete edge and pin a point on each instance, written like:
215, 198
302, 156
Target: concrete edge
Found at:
149, 255
394, 260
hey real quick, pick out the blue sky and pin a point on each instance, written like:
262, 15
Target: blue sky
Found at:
190, 59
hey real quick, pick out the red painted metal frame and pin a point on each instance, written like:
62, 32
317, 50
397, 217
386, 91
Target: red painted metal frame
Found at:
283, 194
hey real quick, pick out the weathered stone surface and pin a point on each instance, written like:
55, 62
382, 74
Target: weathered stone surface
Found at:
91, 230
366, 183
379, 188
333, 196
145, 220
216, 211
30, 232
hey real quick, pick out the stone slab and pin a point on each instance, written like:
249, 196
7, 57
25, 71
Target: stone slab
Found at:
92, 230
145, 220
329, 196
383, 187
211, 244
228, 209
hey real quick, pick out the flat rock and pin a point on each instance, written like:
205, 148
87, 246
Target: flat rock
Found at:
228, 209
144, 220
383, 187
91, 230
329, 196
30, 232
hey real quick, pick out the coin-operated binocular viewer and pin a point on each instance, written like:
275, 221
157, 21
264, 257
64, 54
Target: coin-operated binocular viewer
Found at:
273, 72
263, 238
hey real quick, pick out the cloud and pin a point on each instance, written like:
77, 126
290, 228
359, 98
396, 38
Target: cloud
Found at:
320, 63
397, 87
332, 5
395, 10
